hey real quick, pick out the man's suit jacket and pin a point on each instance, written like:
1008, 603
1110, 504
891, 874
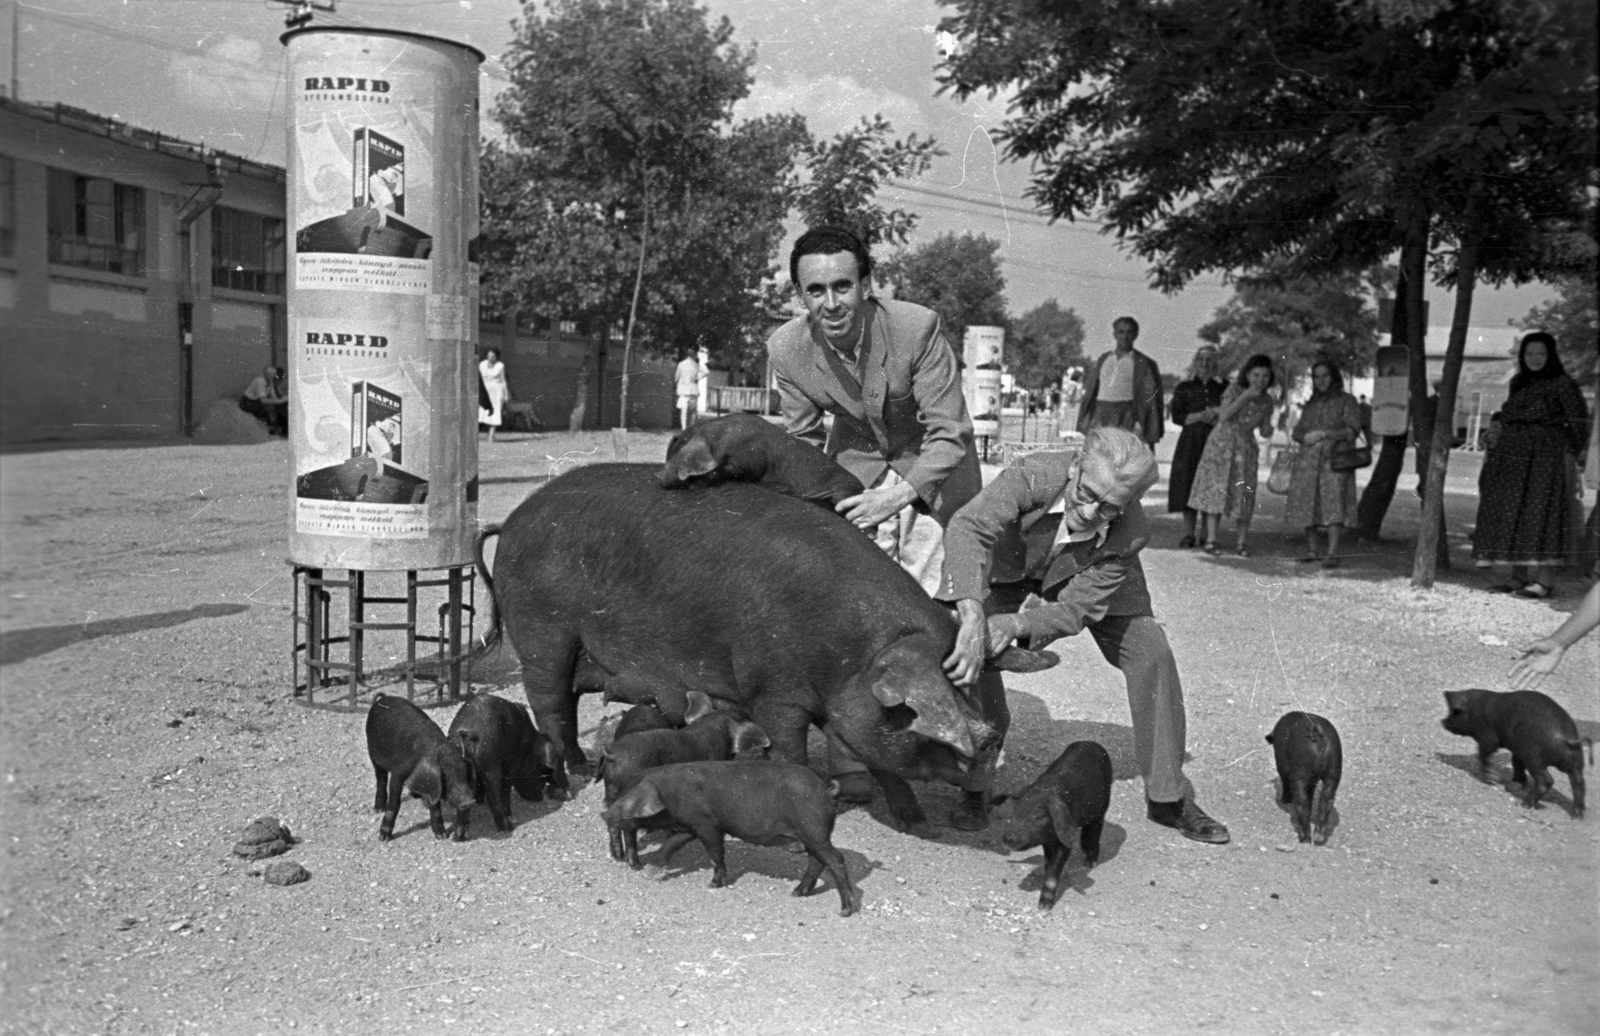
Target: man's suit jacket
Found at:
1146, 395
907, 412
1006, 535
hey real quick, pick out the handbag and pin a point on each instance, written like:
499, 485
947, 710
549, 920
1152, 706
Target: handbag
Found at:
1347, 456
1282, 470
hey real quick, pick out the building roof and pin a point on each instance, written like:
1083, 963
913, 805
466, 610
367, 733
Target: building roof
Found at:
150, 140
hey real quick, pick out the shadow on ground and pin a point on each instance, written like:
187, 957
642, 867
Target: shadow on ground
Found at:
21, 645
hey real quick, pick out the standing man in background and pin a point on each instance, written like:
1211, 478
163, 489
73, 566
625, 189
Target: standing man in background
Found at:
687, 377
885, 372
1122, 388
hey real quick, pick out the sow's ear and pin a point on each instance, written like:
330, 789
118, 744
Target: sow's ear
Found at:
699, 705
425, 782
908, 673
640, 802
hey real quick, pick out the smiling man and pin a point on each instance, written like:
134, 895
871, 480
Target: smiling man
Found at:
886, 374
1081, 574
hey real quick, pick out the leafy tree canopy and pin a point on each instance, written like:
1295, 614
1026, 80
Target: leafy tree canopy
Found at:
1043, 344
843, 175
1225, 135
1297, 321
620, 111
958, 277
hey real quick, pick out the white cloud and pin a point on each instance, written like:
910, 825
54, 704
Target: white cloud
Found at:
832, 105
235, 74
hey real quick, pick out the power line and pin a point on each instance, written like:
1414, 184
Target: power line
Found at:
1058, 272
1021, 210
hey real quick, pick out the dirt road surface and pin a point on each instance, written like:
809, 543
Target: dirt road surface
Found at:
147, 718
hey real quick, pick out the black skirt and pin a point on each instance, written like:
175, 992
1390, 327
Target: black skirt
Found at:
1185, 459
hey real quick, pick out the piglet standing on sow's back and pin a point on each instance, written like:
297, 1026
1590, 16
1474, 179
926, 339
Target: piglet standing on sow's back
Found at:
1065, 806
1538, 732
408, 750
1310, 762
764, 803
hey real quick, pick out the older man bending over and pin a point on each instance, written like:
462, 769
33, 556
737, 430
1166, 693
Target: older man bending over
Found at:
1088, 577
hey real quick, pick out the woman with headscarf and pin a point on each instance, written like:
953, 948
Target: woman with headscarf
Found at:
1525, 488
1195, 402
1225, 481
1320, 497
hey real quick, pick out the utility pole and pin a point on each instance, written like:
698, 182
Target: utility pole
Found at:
16, 36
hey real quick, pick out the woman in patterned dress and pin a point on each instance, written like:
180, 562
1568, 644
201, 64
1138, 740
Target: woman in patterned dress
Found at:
1194, 406
1225, 481
1319, 497
1525, 488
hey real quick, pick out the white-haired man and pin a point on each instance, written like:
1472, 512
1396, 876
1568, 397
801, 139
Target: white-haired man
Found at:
1085, 574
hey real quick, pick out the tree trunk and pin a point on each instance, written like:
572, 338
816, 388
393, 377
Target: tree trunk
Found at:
633, 308
1375, 499
1430, 535
1409, 328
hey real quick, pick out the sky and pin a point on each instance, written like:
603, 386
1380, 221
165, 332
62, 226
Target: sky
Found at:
211, 71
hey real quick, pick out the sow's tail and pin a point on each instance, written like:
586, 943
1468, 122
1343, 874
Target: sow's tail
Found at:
491, 637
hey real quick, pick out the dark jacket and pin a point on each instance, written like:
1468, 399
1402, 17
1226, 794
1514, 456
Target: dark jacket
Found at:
1146, 395
1006, 535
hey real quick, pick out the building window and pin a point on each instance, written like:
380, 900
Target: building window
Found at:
247, 251
96, 223
8, 207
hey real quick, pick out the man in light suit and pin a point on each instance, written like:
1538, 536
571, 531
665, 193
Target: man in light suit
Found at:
1122, 388
885, 372
1082, 572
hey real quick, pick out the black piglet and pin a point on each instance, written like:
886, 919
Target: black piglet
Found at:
1310, 762
408, 750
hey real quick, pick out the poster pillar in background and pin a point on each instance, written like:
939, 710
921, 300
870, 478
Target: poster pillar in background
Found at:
1391, 390
983, 351
383, 298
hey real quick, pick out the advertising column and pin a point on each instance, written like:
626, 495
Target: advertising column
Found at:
383, 298
982, 352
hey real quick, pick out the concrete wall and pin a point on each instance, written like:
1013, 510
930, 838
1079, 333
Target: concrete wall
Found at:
542, 369
89, 354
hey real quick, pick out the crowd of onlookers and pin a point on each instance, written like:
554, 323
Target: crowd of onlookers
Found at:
1530, 516
1530, 492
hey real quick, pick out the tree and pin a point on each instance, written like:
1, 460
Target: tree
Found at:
625, 187
1325, 134
1572, 317
1043, 344
957, 277
1297, 321
844, 174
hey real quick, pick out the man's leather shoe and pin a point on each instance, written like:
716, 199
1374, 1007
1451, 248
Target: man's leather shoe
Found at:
1189, 819
856, 787
971, 813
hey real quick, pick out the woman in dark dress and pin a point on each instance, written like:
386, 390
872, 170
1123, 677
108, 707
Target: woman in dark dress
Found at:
1525, 489
1194, 407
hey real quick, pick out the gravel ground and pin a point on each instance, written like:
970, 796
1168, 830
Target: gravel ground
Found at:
147, 718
